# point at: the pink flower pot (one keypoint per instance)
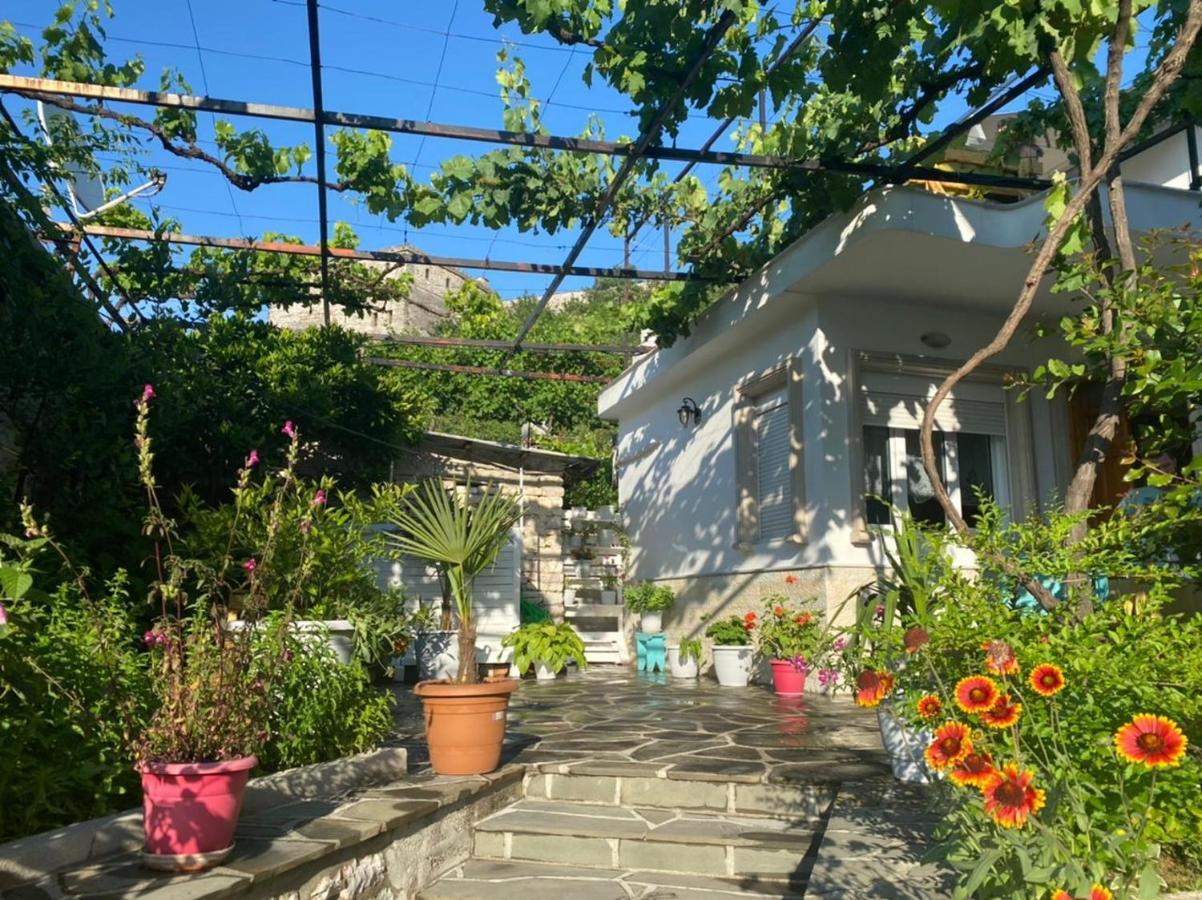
(190, 810)
(786, 680)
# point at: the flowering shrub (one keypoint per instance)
(790, 631)
(732, 630)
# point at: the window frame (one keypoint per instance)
(1019, 452)
(787, 375)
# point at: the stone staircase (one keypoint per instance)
(616, 830)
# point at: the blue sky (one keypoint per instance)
(379, 58)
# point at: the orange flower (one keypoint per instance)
(1097, 892)
(974, 770)
(1003, 713)
(1061, 894)
(790, 579)
(976, 693)
(1009, 797)
(930, 706)
(1151, 740)
(951, 745)
(1000, 658)
(1047, 679)
(873, 687)
(778, 611)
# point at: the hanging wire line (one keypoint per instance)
(442, 58)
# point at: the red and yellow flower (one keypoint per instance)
(1047, 680)
(929, 706)
(873, 687)
(1009, 797)
(974, 770)
(915, 639)
(951, 745)
(1151, 740)
(976, 693)
(1003, 713)
(1097, 892)
(1061, 894)
(1000, 658)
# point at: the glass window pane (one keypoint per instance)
(976, 473)
(877, 487)
(919, 490)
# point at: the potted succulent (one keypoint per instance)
(791, 638)
(465, 719)
(196, 743)
(650, 601)
(548, 646)
(732, 648)
(684, 658)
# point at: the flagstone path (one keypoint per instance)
(648, 787)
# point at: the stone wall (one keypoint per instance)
(420, 313)
(542, 515)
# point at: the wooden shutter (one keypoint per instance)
(774, 483)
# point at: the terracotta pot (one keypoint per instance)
(786, 680)
(190, 810)
(465, 724)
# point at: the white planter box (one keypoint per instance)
(681, 668)
(339, 634)
(905, 747)
(732, 665)
(651, 622)
(543, 672)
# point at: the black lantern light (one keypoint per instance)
(688, 412)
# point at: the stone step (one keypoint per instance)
(514, 880)
(646, 838)
(689, 782)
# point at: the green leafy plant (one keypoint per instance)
(545, 642)
(690, 648)
(789, 630)
(463, 539)
(532, 611)
(732, 630)
(647, 596)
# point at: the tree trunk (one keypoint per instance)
(469, 669)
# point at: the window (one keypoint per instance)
(970, 447)
(769, 459)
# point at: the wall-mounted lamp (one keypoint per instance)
(688, 412)
(936, 340)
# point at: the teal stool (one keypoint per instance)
(650, 651)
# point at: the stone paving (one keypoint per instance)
(638, 786)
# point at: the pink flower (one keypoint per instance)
(840, 643)
(3, 616)
(250, 565)
(147, 393)
(155, 638)
(289, 429)
(319, 499)
(253, 459)
(306, 526)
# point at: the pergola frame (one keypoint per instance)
(645, 146)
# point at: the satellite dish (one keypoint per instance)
(86, 191)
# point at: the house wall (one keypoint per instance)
(1165, 163)
(677, 485)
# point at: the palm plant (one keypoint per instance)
(463, 539)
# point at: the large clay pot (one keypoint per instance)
(190, 810)
(732, 665)
(465, 724)
(651, 622)
(787, 681)
(678, 665)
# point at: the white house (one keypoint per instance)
(811, 378)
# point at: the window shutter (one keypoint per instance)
(896, 401)
(774, 493)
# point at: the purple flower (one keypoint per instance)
(800, 664)
(3, 616)
(250, 565)
(289, 429)
(253, 459)
(827, 677)
(155, 638)
(840, 643)
(319, 499)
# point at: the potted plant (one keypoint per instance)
(546, 645)
(650, 601)
(792, 638)
(465, 719)
(609, 588)
(194, 739)
(732, 648)
(684, 658)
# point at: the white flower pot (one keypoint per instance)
(732, 665)
(339, 634)
(651, 622)
(543, 672)
(681, 668)
(437, 655)
(905, 747)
